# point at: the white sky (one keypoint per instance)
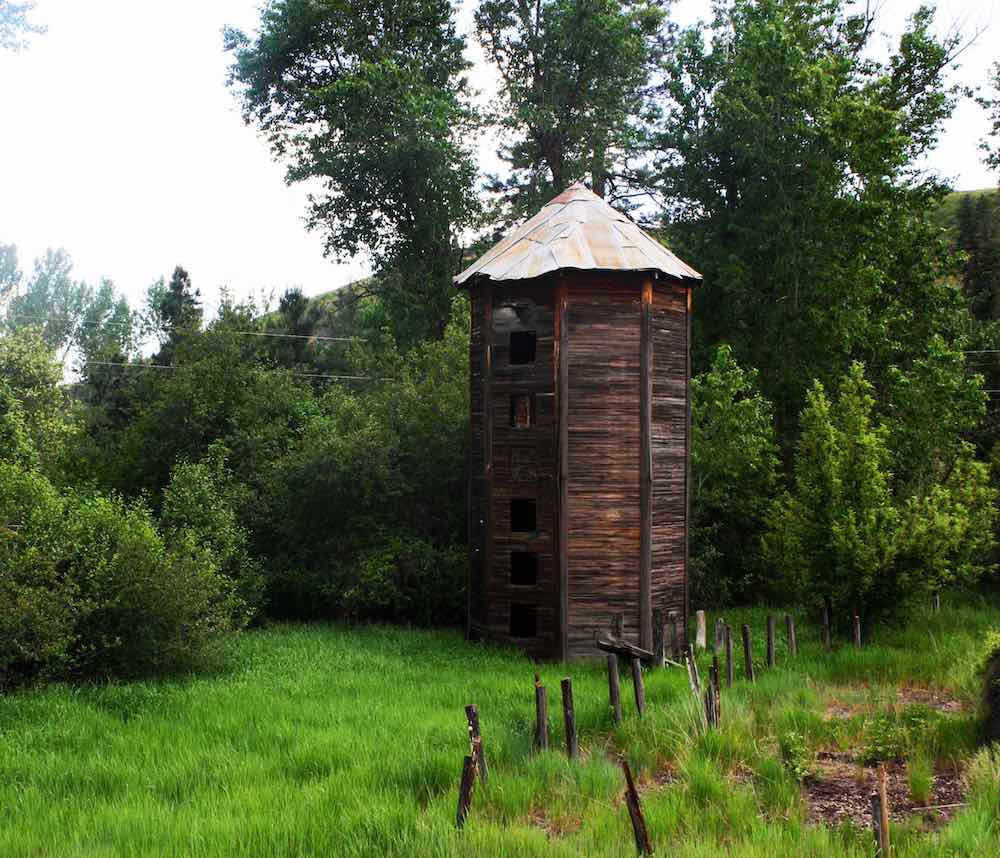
(120, 142)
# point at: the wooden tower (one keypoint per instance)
(580, 367)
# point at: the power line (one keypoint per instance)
(185, 366)
(242, 333)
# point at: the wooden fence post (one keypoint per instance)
(880, 816)
(642, 842)
(659, 640)
(793, 645)
(700, 631)
(640, 690)
(729, 655)
(747, 653)
(675, 647)
(476, 741)
(827, 637)
(770, 640)
(541, 715)
(720, 626)
(465, 789)
(569, 717)
(614, 689)
(718, 690)
(937, 603)
(857, 631)
(692, 666)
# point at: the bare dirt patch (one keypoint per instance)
(838, 792)
(557, 825)
(938, 699)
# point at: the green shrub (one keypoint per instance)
(200, 501)
(990, 669)
(795, 754)
(734, 468)
(88, 588)
(840, 536)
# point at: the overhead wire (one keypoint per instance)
(185, 366)
(241, 333)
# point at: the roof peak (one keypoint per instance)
(576, 230)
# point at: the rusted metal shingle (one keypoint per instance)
(577, 230)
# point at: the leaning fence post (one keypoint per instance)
(717, 683)
(635, 813)
(857, 631)
(692, 667)
(793, 645)
(728, 633)
(747, 653)
(770, 640)
(569, 717)
(640, 690)
(465, 789)
(476, 740)
(700, 631)
(614, 689)
(541, 715)
(827, 639)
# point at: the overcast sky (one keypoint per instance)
(120, 142)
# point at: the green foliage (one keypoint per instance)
(734, 477)
(574, 100)
(88, 588)
(789, 159)
(795, 754)
(989, 670)
(200, 503)
(368, 503)
(35, 405)
(841, 536)
(376, 112)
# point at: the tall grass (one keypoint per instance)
(339, 741)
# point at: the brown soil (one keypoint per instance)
(839, 793)
(940, 700)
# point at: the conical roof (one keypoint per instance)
(577, 230)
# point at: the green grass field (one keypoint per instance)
(330, 741)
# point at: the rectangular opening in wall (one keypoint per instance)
(523, 568)
(522, 410)
(522, 347)
(522, 515)
(523, 621)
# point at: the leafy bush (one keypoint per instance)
(990, 669)
(839, 535)
(88, 588)
(795, 754)
(734, 470)
(200, 501)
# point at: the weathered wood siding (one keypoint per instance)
(523, 462)
(670, 447)
(604, 440)
(602, 366)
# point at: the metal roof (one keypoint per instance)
(577, 230)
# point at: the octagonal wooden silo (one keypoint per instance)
(579, 463)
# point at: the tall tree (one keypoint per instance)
(368, 98)
(991, 146)
(791, 158)
(574, 98)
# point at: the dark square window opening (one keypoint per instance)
(523, 517)
(523, 568)
(523, 621)
(522, 410)
(522, 347)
